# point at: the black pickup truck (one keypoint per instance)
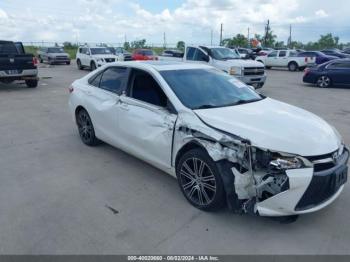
(15, 64)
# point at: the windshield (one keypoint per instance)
(208, 88)
(100, 51)
(147, 52)
(55, 50)
(224, 54)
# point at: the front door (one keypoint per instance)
(145, 125)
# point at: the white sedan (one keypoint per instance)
(225, 143)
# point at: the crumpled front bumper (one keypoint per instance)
(308, 191)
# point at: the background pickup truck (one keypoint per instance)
(53, 55)
(286, 58)
(248, 71)
(15, 64)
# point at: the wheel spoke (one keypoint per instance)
(207, 198)
(190, 194)
(185, 174)
(189, 170)
(200, 197)
(210, 187)
(195, 166)
(208, 178)
(188, 185)
(201, 169)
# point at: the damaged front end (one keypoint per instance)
(257, 181)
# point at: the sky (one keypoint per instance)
(192, 21)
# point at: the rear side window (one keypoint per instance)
(340, 65)
(282, 54)
(113, 79)
(95, 81)
(190, 53)
(8, 48)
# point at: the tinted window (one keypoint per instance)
(282, 54)
(55, 50)
(147, 52)
(190, 53)
(340, 65)
(113, 79)
(95, 81)
(273, 54)
(207, 88)
(200, 56)
(8, 48)
(100, 51)
(145, 88)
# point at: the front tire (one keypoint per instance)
(293, 67)
(93, 66)
(86, 128)
(80, 67)
(32, 83)
(200, 181)
(324, 82)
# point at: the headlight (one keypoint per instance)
(277, 161)
(236, 70)
(286, 163)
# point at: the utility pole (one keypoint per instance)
(164, 41)
(221, 34)
(267, 29)
(290, 37)
(211, 37)
(248, 37)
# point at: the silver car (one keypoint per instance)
(53, 55)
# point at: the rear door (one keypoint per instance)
(282, 59)
(103, 97)
(145, 124)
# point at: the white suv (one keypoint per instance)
(94, 57)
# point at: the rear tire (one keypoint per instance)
(200, 180)
(68, 63)
(93, 66)
(32, 83)
(268, 67)
(80, 67)
(324, 81)
(40, 59)
(86, 128)
(293, 66)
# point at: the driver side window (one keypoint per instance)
(143, 87)
(200, 56)
(273, 54)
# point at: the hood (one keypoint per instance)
(237, 62)
(274, 125)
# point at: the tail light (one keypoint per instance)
(71, 89)
(306, 71)
(35, 61)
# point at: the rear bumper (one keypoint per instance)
(309, 191)
(29, 74)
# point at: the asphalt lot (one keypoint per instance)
(61, 197)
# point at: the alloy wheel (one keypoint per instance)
(198, 181)
(324, 81)
(85, 127)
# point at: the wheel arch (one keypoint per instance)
(186, 148)
(77, 110)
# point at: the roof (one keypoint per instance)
(163, 65)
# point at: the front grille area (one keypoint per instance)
(325, 183)
(110, 60)
(322, 162)
(254, 71)
(128, 58)
(61, 58)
